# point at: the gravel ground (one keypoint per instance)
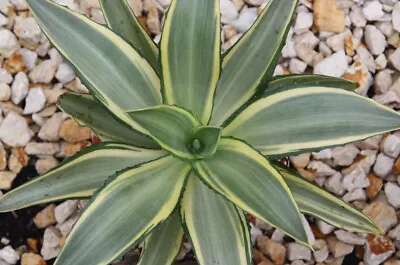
(354, 39)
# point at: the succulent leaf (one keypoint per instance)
(124, 211)
(88, 112)
(115, 73)
(164, 243)
(218, 230)
(121, 20)
(258, 50)
(78, 176)
(246, 178)
(319, 203)
(310, 118)
(287, 82)
(173, 129)
(208, 138)
(190, 55)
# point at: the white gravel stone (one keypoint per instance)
(64, 73)
(308, 39)
(27, 29)
(5, 92)
(296, 251)
(72, 4)
(246, 18)
(55, 56)
(371, 143)
(43, 48)
(344, 156)
(334, 184)
(297, 66)
(278, 236)
(19, 88)
(304, 21)
(383, 165)
(383, 81)
(229, 11)
(335, 65)
(357, 17)
(6, 179)
(19, 4)
(355, 195)
(29, 57)
(254, 234)
(366, 58)
(375, 40)
(14, 130)
(385, 27)
(356, 179)
(390, 98)
(66, 227)
(373, 10)
(3, 20)
(44, 72)
(64, 210)
(8, 43)
(5, 77)
(395, 58)
(321, 251)
(42, 149)
(51, 240)
(371, 258)
(4, 5)
(324, 228)
(395, 233)
(391, 146)
(9, 255)
(49, 130)
(381, 62)
(336, 42)
(392, 192)
(324, 49)
(349, 238)
(321, 169)
(323, 154)
(289, 50)
(338, 248)
(35, 101)
(396, 17)
(306, 54)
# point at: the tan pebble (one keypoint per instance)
(258, 257)
(396, 166)
(72, 132)
(72, 149)
(15, 63)
(45, 164)
(28, 45)
(374, 187)
(306, 174)
(45, 217)
(328, 16)
(32, 259)
(33, 244)
(3, 157)
(272, 249)
(62, 241)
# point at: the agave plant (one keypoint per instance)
(190, 137)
